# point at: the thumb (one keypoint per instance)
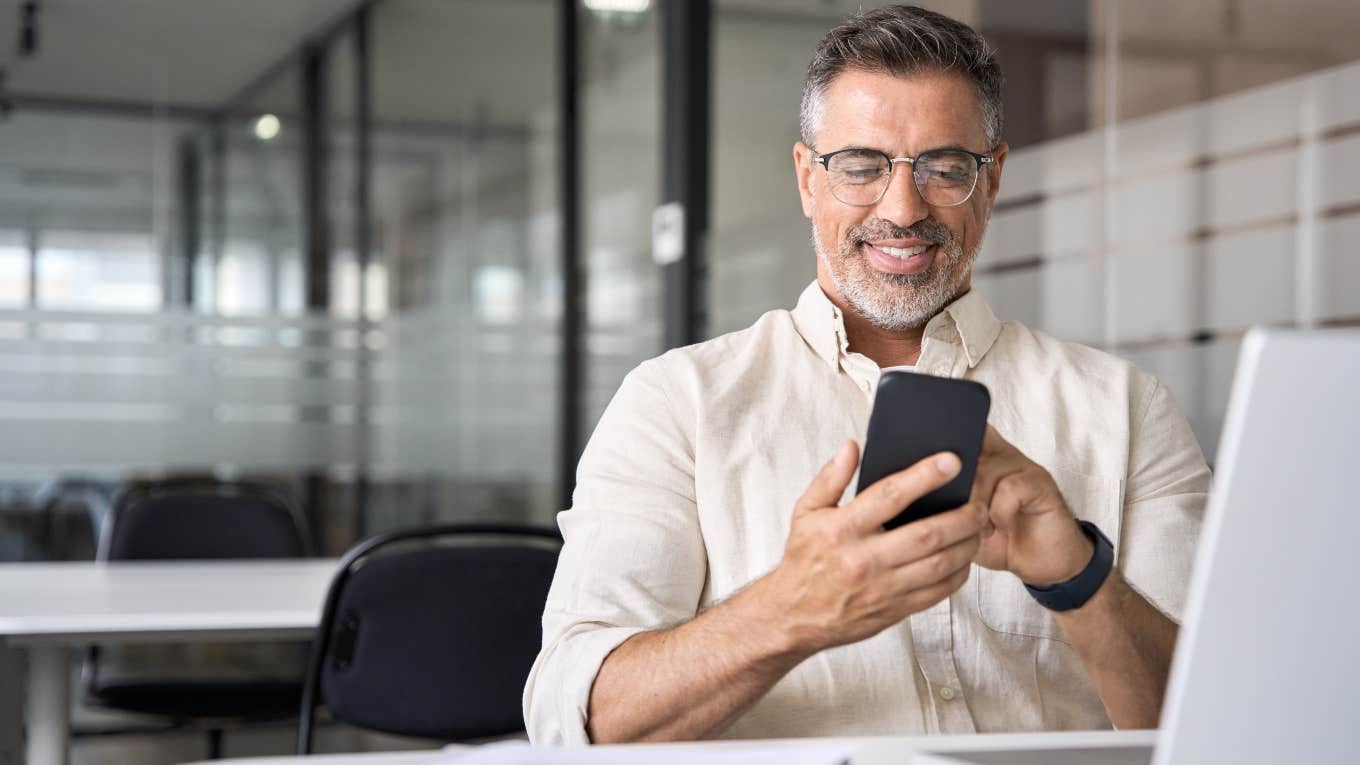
(826, 489)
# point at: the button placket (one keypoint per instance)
(932, 634)
(862, 371)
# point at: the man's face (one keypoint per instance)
(871, 258)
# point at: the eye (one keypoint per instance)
(862, 172)
(854, 166)
(948, 174)
(949, 168)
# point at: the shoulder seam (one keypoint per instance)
(663, 383)
(1147, 403)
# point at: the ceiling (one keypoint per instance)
(188, 53)
(494, 61)
(200, 53)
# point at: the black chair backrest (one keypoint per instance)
(196, 520)
(421, 637)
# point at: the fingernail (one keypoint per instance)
(947, 463)
(842, 454)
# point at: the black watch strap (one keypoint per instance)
(1065, 596)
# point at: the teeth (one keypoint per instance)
(904, 252)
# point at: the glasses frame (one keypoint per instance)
(980, 159)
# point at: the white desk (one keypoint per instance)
(433, 757)
(886, 750)
(49, 609)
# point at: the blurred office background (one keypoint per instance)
(320, 242)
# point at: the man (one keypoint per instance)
(707, 589)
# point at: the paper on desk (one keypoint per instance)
(774, 753)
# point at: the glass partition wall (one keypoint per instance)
(464, 225)
(621, 169)
(342, 281)
(428, 263)
(86, 226)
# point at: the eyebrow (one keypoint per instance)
(949, 147)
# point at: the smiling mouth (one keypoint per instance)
(902, 253)
(903, 261)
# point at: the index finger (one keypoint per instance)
(889, 496)
(995, 443)
(830, 482)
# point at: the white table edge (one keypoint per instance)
(157, 635)
(867, 750)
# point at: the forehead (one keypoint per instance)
(901, 114)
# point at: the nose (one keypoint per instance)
(902, 203)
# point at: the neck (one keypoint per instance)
(888, 348)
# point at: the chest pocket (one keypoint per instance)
(1004, 605)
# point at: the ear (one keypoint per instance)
(802, 167)
(993, 171)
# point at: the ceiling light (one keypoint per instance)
(617, 6)
(267, 127)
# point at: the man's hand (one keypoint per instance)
(843, 578)
(1124, 642)
(1027, 528)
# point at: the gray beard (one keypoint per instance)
(897, 302)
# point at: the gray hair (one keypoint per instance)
(902, 40)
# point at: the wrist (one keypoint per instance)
(774, 624)
(1077, 555)
(1073, 593)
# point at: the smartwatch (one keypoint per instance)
(1065, 596)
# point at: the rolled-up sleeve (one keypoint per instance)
(633, 558)
(1167, 487)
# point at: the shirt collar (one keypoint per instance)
(968, 321)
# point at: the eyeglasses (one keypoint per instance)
(860, 177)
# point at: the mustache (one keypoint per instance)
(928, 229)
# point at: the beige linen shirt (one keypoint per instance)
(685, 493)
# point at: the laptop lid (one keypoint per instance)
(1266, 669)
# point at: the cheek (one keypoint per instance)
(981, 214)
(833, 223)
(968, 225)
(828, 229)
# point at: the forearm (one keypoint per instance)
(692, 681)
(1125, 644)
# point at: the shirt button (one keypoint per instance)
(948, 693)
(864, 385)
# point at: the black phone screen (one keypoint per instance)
(915, 416)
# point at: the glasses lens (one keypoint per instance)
(858, 177)
(945, 178)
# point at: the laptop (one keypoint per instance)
(1266, 667)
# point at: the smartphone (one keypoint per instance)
(915, 416)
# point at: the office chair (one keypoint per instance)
(431, 632)
(198, 519)
(70, 504)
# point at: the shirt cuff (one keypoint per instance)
(564, 682)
